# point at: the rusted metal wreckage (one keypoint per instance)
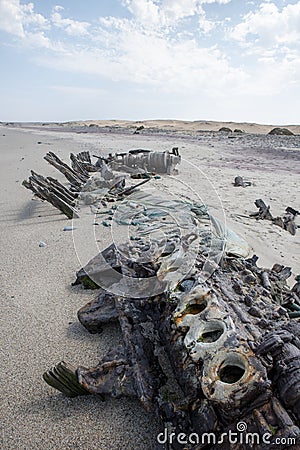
(147, 160)
(143, 163)
(210, 340)
(287, 221)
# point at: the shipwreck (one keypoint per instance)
(210, 339)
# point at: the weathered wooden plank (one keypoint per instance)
(78, 167)
(51, 197)
(74, 178)
(44, 183)
(55, 183)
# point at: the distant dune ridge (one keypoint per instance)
(167, 125)
(184, 125)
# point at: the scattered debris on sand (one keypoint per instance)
(239, 182)
(287, 221)
(140, 128)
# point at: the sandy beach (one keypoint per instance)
(39, 305)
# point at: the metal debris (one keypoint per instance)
(239, 182)
(90, 183)
(220, 334)
(147, 160)
(230, 364)
(287, 221)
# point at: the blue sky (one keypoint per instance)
(150, 59)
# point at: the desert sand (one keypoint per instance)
(39, 326)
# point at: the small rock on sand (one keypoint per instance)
(69, 228)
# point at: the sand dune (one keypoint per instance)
(190, 126)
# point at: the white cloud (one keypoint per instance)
(150, 48)
(71, 27)
(17, 19)
(11, 16)
(160, 47)
(271, 36)
(177, 67)
(166, 13)
(174, 10)
(145, 11)
(146, 49)
(58, 8)
(271, 78)
(30, 17)
(270, 26)
(22, 21)
(220, 2)
(38, 39)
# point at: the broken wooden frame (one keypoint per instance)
(54, 192)
(51, 190)
(81, 170)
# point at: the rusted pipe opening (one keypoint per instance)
(211, 332)
(194, 304)
(195, 308)
(231, 374)
(232, 369)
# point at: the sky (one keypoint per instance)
(229, 60)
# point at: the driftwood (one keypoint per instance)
(287, 221)
(264, 210)
(64, 378)
(98, 312)
(130, 189)
(83, 185)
